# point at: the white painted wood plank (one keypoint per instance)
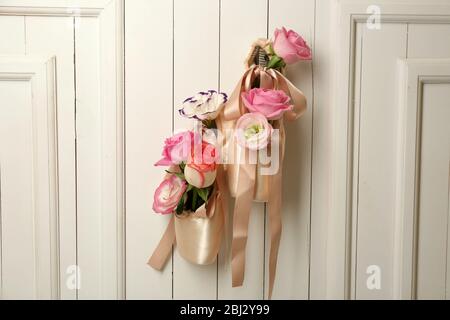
(111, 62)
(12, 29)
(433, 198)
(292, 281)
(89, 149)
(374, 186)
(99, 64)
(235, 42)
(336, 266)
(54, 37)
(148, 123)
(359, 54)
(17, 207)
(196, 65)
(12, 35)
(323, 55)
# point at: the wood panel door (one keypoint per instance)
(391, 166)
(61, 107)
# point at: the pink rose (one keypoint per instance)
(176, 149)
(200, 171)
(253, 131)
(168, 194)
(290, 46)
(271, 103)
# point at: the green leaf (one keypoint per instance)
(189, 188)
(178, 174)
(182, 166)
(275, 62)
(203, 193)
(209, 123)
(281, 65)
(194, 199)
(180, 206)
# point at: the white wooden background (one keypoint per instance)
(366, 172)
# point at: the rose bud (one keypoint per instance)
(290, 46)
(201, 171)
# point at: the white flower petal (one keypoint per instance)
(204, 105)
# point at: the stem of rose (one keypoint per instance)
(194, 199)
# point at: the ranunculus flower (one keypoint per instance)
(176, 149)
(253, 131)
(200, 171)
(290, 46)
(168, 194)
(204, 105)
(271, 103)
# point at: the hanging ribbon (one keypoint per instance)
(244, 188)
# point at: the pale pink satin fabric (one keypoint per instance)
(243, 181)
(198, 234)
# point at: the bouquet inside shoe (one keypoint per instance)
(242, 158)
(190, 190)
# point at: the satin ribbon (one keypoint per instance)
(200, 232)
(245, 184)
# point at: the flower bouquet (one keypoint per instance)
(264, 98)
(244, 157)
(190, 189)
(253, 125)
